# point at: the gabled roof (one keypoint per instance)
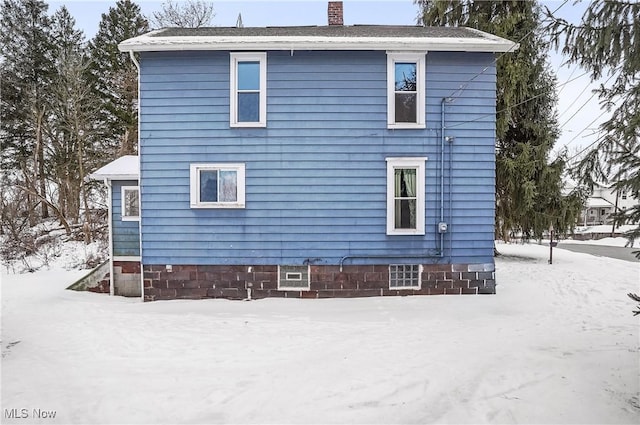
(332, 37)
(596, 202)
(124, 168)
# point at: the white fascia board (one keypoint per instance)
(145, 43)
(112, 177)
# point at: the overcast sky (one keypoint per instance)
(576, 110)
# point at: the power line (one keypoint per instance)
(574, 100)
(570, 75)
(586, 127)
(517, 104)
(586, 103)
(571, 158)
(578, 110)
(464, 86)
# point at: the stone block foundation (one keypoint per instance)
(233, 282)
(126, 278)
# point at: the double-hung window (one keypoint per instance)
(217, 185)
(406, 90)
(248, 90)
(406, 196)
(130, 198)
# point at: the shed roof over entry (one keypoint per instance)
(124, 168)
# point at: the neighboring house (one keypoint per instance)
(314, 161)
(603, 203)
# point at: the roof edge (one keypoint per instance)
(152, 42)
(126, 167)
(113, 177)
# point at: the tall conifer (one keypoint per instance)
(26, 71)
(607, 43)
(529, 196)
(115, 76)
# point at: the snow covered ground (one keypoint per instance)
(557, 344)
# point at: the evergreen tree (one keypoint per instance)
(529, 185)
(26, 73)
(70, 126)
(115, 76)
(607, 42)
(189, 14)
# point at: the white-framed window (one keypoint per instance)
(406, 196)
(130, 198)
(293, 278)
(217, 185)
(248, 90)
(405, 276)
(406, 90)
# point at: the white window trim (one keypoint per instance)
(124, 217)
(195, 185)
(420, 59)
(400, 288)
(419, 163)
(126, 258)
(233, 92)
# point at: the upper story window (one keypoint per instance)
(217, 185)
(130, 203)
(248, 90)
(405, 90)
(406, 196)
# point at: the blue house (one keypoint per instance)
(329, 161)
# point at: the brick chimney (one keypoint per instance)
(334, 13)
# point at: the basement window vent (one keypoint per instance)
(293, 278)
(405, 276)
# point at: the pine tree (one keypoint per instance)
(71, 120)
(115, 76)
(26, 73)
(189, 14)
(529, 185)
(607, 42)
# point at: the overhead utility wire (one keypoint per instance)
(464, 86)
(570, 75)
(585, 103)
(516, 104)
(586, 128)
(571, 158)
(586, 86)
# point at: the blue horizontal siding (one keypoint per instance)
(316, 175)
(126, 234)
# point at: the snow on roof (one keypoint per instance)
(124, 168)
(598, 203)
(335, 37)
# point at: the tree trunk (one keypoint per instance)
(40, 161)
(88, 236)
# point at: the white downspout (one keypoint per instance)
(137, 65)
(107, 182)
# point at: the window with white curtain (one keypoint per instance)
(406, 196)
(217, 185)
